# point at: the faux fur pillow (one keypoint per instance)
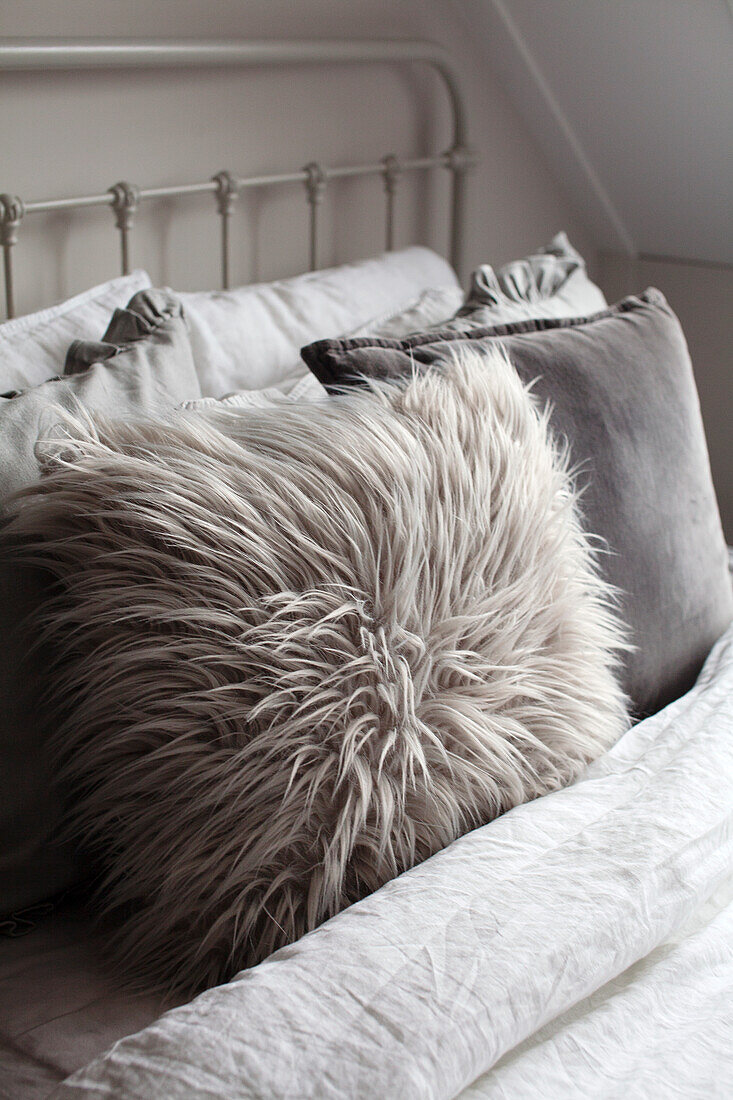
(302, 649)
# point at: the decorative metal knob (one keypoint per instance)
(391, 173)
(11, 215)
(227, 192)
(461, 158)
(315, 182)
(125, 201)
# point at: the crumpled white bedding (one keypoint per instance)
(663, 1028)
(580, 945)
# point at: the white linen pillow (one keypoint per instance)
(250, 338)
(304, 390)
(430, 309)
(33, 347)
(552, 282)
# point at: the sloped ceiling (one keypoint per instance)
(632, 104)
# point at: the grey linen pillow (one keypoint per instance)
(335, 637)
(32, 347)
(621, 391)
(147, 368)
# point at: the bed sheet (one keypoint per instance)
(670, 1011)
(596, 919)
(662, 1028)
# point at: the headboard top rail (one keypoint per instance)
(43, 54)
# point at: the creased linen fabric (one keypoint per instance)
(249, 337)
(434, 307)
(664, 1028)
(417, 991)
(32, 347)
(551, 282)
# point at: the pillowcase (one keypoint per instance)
(333, 640)
(152, 371)
(249, 338)
(621, 392)
(433, 307)
(304, 390)
(32, 348)
(553, 282)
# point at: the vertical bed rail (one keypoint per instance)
(11, 213)
(62, 54)
(315, 187)
(392, 173)
(227, 193)
(125, 201)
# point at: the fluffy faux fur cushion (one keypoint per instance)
(301, 649)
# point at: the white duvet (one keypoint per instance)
(580, 946)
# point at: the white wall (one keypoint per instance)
(632, 102)
(67, 133)
(702, 297)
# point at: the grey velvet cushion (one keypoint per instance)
(622, 392)
(147, 368)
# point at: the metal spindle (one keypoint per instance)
(227, 192)
(315, 185)
(459, 160)
(391, 172)
(11, 214)
(125, 200)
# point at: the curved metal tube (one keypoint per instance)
(34, 54)
(38, 54)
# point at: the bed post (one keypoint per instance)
(315, 186)
(227, 192)
(460, 157)
(125, 200)
(392, 173)
(459, 161)
(11, 214)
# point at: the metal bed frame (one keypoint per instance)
(124, 198)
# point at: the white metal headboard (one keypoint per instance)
(124, 198)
